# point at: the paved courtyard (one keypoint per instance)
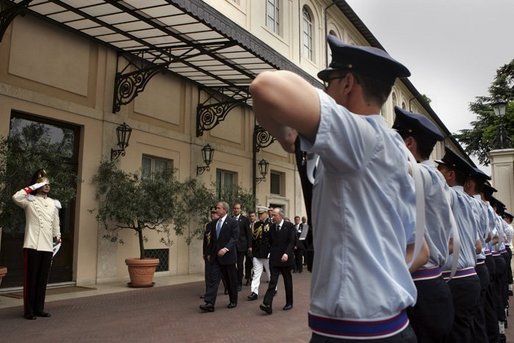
(166, 313)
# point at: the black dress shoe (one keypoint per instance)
(30, 317)
(231, 305)
(253, 296)
(239, 288)
(43, 314)
(202, 296)
(207, 307)
(266, 308)
(287, 307)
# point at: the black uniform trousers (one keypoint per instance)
(218, 271)
(509, 267)
(298, 260)
(248, 267)
(499, 281)
(466, 301)
(288, 285)
(432, 316)
(241, 255)
(491, 317)
(479, 326)
(37, 269)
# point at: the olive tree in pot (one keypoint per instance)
(159, 203)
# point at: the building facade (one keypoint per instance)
(177, 72)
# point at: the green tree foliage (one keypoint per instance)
(159, 202)
(480, 139)
(21, 154)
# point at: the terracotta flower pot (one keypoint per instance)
(141, 271)
(3, 272)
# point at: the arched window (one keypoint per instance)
(308, 34)
(404, 106)
(395, 100)
(272, 15)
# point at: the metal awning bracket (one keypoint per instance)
(262, 139)
(9, 11)
(215, 108)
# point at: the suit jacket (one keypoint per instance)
(260, 240)
(208, 238)
(229, 234)
(244, 240)
(282, 242)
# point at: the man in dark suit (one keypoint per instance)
(222, 257)
(282, 240)
(243, 243)
(299, 246)
(207, 245)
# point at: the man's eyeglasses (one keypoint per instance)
(326, 82)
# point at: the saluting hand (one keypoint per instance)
(284, 258)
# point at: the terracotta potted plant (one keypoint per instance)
(159, 202)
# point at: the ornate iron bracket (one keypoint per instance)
(263, 138)
(215, 109)
(128, 85)
(9, 11)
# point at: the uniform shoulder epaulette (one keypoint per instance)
(58, 204)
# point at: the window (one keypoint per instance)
(272, 15)
(151, 165)
(307, 37)
(226, 182)
(395, 100)
(277, 183)
(404, 106)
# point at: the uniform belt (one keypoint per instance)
(480, 262)
(496, 253)
(426, 274)
(358, 329)
(460, 273)
(503, 251)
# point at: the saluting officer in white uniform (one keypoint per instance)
(432, 316)
(363, 196)
(465, 284)
(41, 231)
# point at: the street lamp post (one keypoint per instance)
(502, 140)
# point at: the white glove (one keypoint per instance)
(35, 186)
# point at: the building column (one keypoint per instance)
(502, 173)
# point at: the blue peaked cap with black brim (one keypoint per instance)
(416, 123)
(454, 161)
(365, 60)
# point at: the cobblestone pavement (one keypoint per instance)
(163, 314)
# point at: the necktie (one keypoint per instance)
(278, 227)
(218, 228)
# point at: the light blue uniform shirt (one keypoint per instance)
(363, 217)
(438, 214)
(484, 227)
(466, 223)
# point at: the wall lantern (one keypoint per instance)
(502, 139)
(263, 170)
(123, 133)
(207, 155)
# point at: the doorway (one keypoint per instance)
(56, 146)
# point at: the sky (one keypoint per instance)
(452, 47)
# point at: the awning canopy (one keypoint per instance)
(188, 38)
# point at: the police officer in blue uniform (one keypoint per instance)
(465, 284)
(361, 285)
(432, 316)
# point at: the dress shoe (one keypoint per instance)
(226, 291)
(207, 307)
(231, 305)
(239, 288)
(202, 296)
(43, 314)
(287, 307)
(30, 317)
(266, 308)
(253, 296)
